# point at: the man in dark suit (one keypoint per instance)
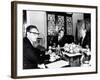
(63, 39)
(32, 56)
(85, 40)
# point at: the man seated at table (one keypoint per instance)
(33, 54)
(85, 42)
(63, 39)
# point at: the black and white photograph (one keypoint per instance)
(66, 42)
(54, 39)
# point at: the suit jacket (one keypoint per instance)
(31, 55)
(86, 40)
(66, 39)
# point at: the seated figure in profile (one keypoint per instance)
(85, 40)
(33, 54)
(62, 39)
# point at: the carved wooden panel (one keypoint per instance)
(69, 25)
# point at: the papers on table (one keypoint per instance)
(58, 64)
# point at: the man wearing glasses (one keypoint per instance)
(32, 56)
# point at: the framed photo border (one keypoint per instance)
(14, 37)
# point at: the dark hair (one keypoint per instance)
(30, 27)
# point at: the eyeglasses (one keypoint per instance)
(35, 33)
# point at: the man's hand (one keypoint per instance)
(42, 66)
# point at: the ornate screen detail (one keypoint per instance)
(69, 25)
(60, 22)
(51, 24)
